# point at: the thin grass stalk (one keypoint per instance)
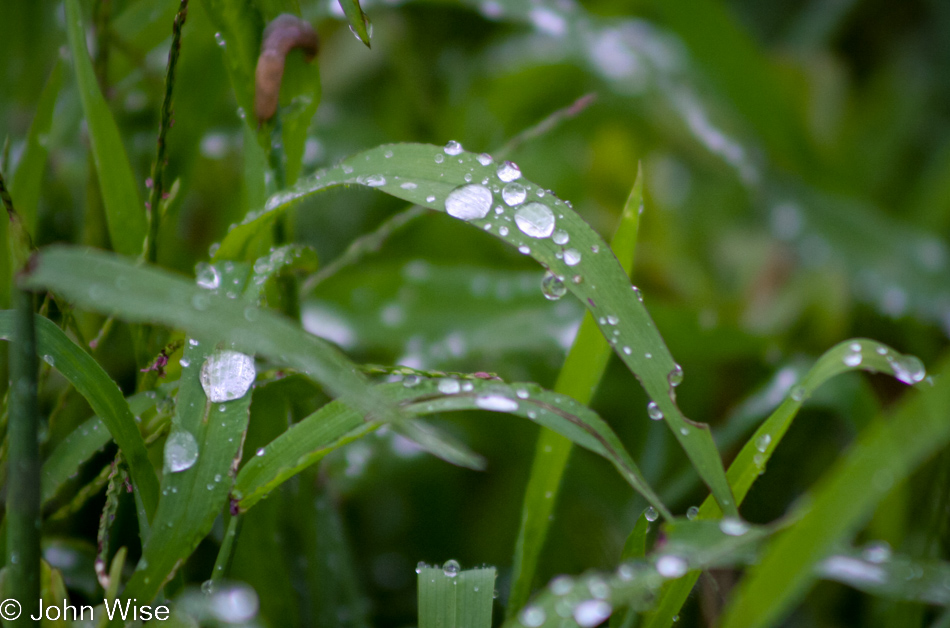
(222, 564)
(579, 377)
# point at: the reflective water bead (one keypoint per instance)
(181, 451)
(469, 202)
(552, 286)
(524, 250)
(562, 585)
(612, 320)
(508, 171)
(672, 566)
(654, 411)
(496, 403)
(513, 194)
(430, 198)
(692, 512)
(733, 526)
(439, 159)
(572, 257)
(227, 375)
(449, 386)
(451, 568)
(374, 180)
(852, 359)
(627, 350)
(503, 230)
(561, 237)
(408, 185)
(207, 276)
(484, 159)
(762, 442)
(420, 566)
(591, 613)
(797, 393)
(651, 514)
(452, 148)
(535, 220)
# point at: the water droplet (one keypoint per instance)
(408, 185)
(236, 604)
(908, 369)
(627, 350)
(672, 566)
(218, 37)
(852, 359)
(451, 568)
(374, 180)
(562, 585)
(535, 220)
(524, 250)
(675, 377)
(651, 514)
(420, 566)
(430, 198)
(552, 286)
(449, 386)
(484, 159)
(207, 587)
(531, 616)
(452, 148)
(877, 552)
(260, 452)
(227, 375)
(692, 512)
(503, 230)
(733, 526)
(762, 442)
(572, 257)
(181, 451)
(561, 237)
(613, 320)
(469, 202)
(513, 194)
(439, 158)
(508, 171)
(496, 403)
(654, 411)
(591, 613)
(797, 393)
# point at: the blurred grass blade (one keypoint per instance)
(422, 174)
(449, 598)
(579, 378)
(23, 464)
(884, 455)
(334, 425)
(299, 96)
(288, 258)
(125, 211)
(112, 285)
(26, 185)
(358, 20)
(849, 355)
(105, 398)
(439, 444)
(239, 27)
(84, 442)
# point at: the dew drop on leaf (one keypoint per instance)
(452, 148)
(675, 377)
(552, 287)
(651, 514)
(496, 403)
(535, 220)
(451, 568)
(227, 375)
(468, 202)
(449, 386)
(591, 613)
(508, 171)
(484, 159)
(572, 257)
(561, 237)
(207, 276)
(513, 194)
(181, 451)
(654, 411)
(671, 566)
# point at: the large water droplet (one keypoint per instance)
(535, 220)
(591, 613)
(908, 369)
(496, 403)
(651, 514)
(227, 375)
(451, 568)
(452, 148)
(513, 194)
(552, 286)
(508, 171)
(181, 451)
(469, 202)
(374, 180)
(207, 276)
(654, 411)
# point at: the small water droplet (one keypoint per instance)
(908, 369)
(508, 171)
(654, 411)
(572, 257)
(852, 359)
(484, 159)
(675, 377)
(877, 552)
(524, 250)
(227, 375)
(692, 512)
(260, 452)
(612, 319)
(439, 158)
(452, 148)
(496, 403)
(535, 220)
(449, 386)
(469, 202)
(420, 566)
(430, 198)
(797, 393)
(627, 350)
(733, 526)
(181, 451)
(591, 613)
(408, 185)
(451, 568)
(207, 587)
(374, 180)
(503, 230)
(513, 194)
(762, 442)
(651, 514)
(561, 237)
(552, 286)
(672, 566)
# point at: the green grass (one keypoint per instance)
(346, 341)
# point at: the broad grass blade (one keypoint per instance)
(449, 598)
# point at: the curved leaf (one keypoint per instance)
(427, 175)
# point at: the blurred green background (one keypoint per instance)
(797, 163)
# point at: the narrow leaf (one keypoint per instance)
(125, 211)
(358, 20)
(449, 598)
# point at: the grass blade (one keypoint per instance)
(23, 478)
(112, 285)
(239, 25)
(105, 398)
(335, 425)
(358, 20)
(427, 175)
(758, 449)
(884, 454)
(125, 212)
(449, 598)
(579, 378)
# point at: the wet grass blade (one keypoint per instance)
(579, 378)
(113, 285)
(754, 456)
(356, 17)
(240, 26)
(125, 211)
(335, 425)
(103, 395)
(884, 455)
(427, 175)
(449, 598)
